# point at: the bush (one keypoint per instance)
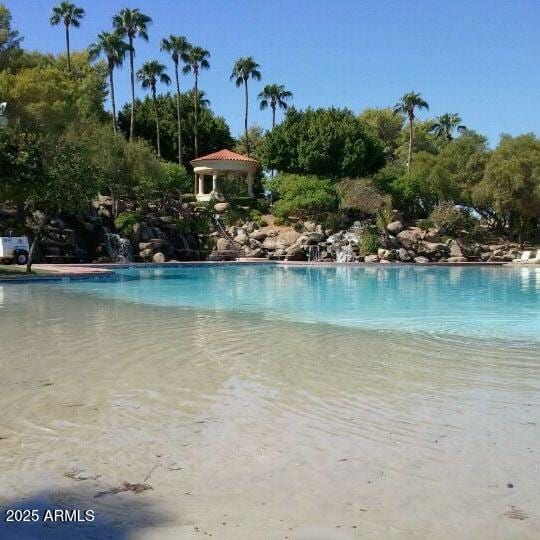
(303, 197)
(174, 178)
(361, 196)
(188, 197)
(125, 221)
(426, 224)
(369, 241)
(384, 217)
(450, 219)
(278, 221)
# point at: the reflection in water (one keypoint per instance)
(266, 424)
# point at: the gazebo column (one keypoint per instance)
(214, 183)
(201, 184)
(249, 180)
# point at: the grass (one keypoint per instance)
(15, 271)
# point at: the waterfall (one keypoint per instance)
(313, 253)
(119, 248)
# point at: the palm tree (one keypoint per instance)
(110, 44)
(70, 15)
(148, 75)
(132, 23)
(446, 124)
(274, 95)
(176, 46)
(407, 104)
(196, 59)
(243, 69)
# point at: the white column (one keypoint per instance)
(214, 183)
(201, 184)
(250, 185)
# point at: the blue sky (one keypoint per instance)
(479, 58)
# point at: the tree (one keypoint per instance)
(132, 23)
(331, 143)
(195, 59)
(445, 125)
(110, 44)
(407, 105)
(176, 46)
(46, 98)
(213, 131)
(386, 125)
(361, 195)
(244, 69)
(70, 15)
(148, 75)
(273, 96)
(511, 185)
(10, 41)
(256, 141)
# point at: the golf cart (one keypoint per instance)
(14, 249)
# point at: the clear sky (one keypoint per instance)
(479, 58)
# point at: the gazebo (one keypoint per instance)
(223, 163)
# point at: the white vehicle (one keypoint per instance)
(14, 249)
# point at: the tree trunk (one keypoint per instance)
(178, 117)
(67, 47)
(410, 141)
(35, 243)
(157, 121)
(111, 84)
(195, 127)
(246, 115)
(273, 115)
(132, 121)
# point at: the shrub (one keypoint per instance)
(125, 221)
(384, 217)
(369, 241)
(188, 197)
(303, 197)
(426, 224)
(174, 178)
(278, 221)
(361, 196)
(450, 219)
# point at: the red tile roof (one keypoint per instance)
(224, 155)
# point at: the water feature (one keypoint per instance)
(118, 248)
(260, 402)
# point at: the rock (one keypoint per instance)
(269, 244)
(158, 257)
(309, 226)
(385, 261)
(421, 260)
(455, 249)
(432, 249)
(145, 245)
(222, 244)
(408, 238)
(287, 238)
(295, 253)
(403, 255)
(432, 235)
(249, 227)
(315, 238)
(256, 253)
(241, 238)
(254, 244)
(371, 258)
(146, 254)
(258, 235)
(395, 227)
(221, 207)
(104, 212)
(456, 259)
(302, 240)
(486, 255)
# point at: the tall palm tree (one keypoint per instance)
(274, 95)
(70, 15)
(110, 45)
(243, 69)
(132, 23)
(176, 46)
(446, 124)
(406, 105)
(148, 75)
(196, 59)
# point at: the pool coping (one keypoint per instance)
(96, 271)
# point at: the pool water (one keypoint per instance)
(266, 402)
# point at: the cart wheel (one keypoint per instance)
(21, 257)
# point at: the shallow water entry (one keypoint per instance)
(248, 424)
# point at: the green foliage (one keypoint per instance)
(450, 220)
(384, 216)
(361, 195)
(125, 221)
(9, 39)
(386, 125)
(188, 197)
(426, 224)
(303, 196)
(331, 143)
(213, 131)
(256, 140)
(369, 241)
(173, 179)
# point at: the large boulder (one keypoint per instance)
(421, 260)
(241, 238)
(295, 253)
(395, 227)
(287, 238)
(270, 244)
(309, 226)
(455, 249)
(404, 255)
(315, 238)
(221, 207)
(456, 259)
(432, 235)
(158, 257)
(410, 237)
(223, 244)
(433, 250)
(258, 235)
(371, 258)
(146, 254)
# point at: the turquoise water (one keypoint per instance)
(485, 302)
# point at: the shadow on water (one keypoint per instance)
(116, 516)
